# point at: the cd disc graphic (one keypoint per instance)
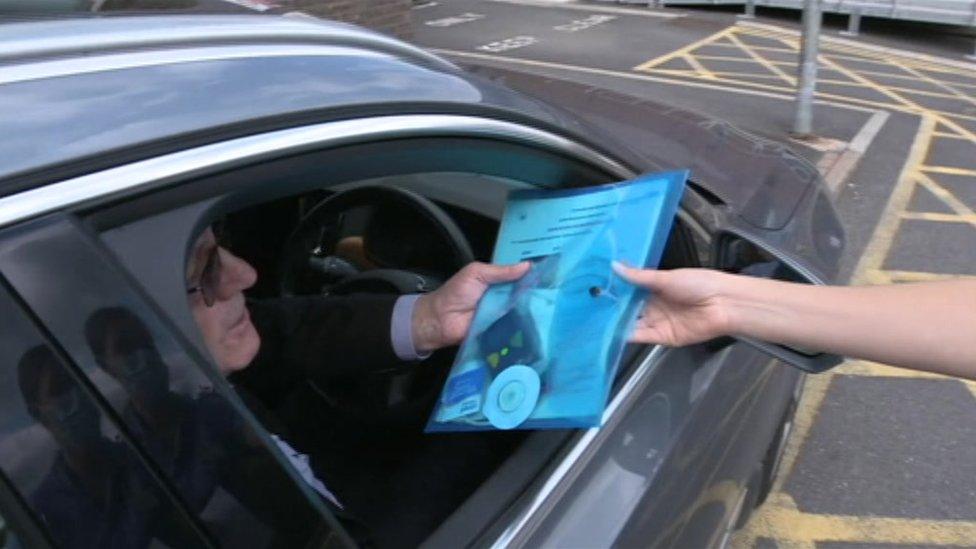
(512, 397)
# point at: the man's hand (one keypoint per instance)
(686, 305)
(443, 317)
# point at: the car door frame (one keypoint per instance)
(91, 191)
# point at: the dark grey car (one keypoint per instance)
(124, 137)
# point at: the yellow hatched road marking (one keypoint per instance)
(868, 83)
(887, 276)
(732, 75)
(906, 77)
(884, 233)
(831, 97)
(948, 170)
(938, 83)
(651, 76)
(902, 103)
(942, 69)
(921, 276)
(945, 196)
(780, 519)
(729, 58)
(676, 72)
(681, 51)
(814, 392)
(867, 368)
(920, 92)
(940, 217)
(699, 68)
(757, 48)
(772, 66)
(948, 135)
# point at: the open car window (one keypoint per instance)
(361, 430)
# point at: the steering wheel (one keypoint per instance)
(307, 257)
(309, 266)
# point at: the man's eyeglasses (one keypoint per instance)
(209, 278)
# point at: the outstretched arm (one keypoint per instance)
(926, 326)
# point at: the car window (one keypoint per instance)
(82, 481)
(8, 539)
(195, 437)
(361, 433)
(474, 202)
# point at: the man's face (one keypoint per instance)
(226, 325)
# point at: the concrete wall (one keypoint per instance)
(389, 16)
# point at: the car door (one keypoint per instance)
(70, 472)
(681, 436)
(204, 474)
(666, 429)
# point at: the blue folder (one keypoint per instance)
(542, 352)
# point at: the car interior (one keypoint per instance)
(390, 233)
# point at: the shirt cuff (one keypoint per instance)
(401, 328)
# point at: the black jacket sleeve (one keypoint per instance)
(317, 337)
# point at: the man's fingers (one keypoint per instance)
(494, 274)
(647, 278)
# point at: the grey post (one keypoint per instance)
(807, 71)
(853, 24)
(750, 12)
(972, 24)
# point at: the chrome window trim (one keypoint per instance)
(48, 68)
(572, 464)
(170, 168)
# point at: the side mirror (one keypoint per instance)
(741, 254)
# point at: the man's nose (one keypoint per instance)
(236, 275)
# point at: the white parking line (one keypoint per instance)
(585, 23)
(841, 168)
(454, 20)
(868, 132)
(509, 44)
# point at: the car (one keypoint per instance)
(336, 160)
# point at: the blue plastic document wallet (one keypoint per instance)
(542, 351)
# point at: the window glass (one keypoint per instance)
(196, 435)
(62, 454)
(361, 428)
(8, 539)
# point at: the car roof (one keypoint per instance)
(82, 94)
(51, 38)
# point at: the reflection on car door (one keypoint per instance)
(181, 416)
(65, 456)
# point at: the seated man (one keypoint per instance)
(270, 348)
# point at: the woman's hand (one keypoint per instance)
(685, 306)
